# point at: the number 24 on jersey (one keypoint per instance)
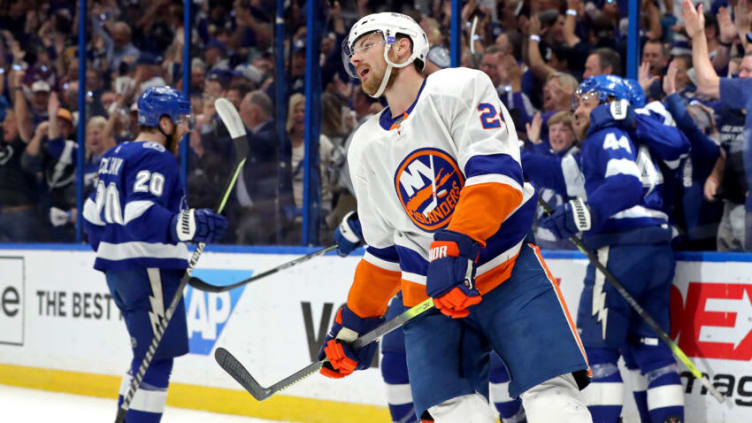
(489, 117)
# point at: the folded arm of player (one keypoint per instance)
(489, 155)
(455, 250)
(620, 190)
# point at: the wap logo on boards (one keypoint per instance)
(428, 184)
(208, 313)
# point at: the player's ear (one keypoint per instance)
(165, 124)
(404, 45)
(401, 48)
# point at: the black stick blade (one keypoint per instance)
(202, 285)
(234, 368)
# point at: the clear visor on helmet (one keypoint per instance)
(361, 45)
(579, 97)
(187, 120)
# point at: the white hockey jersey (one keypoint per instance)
(410, 173)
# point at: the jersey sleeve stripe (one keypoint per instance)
(622, 167)
(500, 259)
(496, 178)
(495, 272)
(502, 164)
(386, 254)
(135, 249)
(574, 179)
(384, 264)
(372, 289)
(635, 212)
(90, 213)
(134, 209)
(414, 278)
(411, 261)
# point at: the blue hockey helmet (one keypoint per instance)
(605, 86)
(156, 102)
(636, 93)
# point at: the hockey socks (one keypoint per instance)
(148, 403)
(605, 394)
(665, 396)
(510, 409)
(400, 398)
(639, 392)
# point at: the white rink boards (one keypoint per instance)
(59, 330)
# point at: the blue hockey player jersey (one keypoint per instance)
(623, 184)
(128, 216)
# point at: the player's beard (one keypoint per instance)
(373, 82)
(173, 141)
(580, 127)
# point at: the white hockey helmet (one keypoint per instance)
(388, 24)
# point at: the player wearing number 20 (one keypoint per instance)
(622, 219)
(446, 213)
(137, 224)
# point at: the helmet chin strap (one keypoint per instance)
(384, 81)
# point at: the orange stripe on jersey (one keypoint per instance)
(413, 293)
(372, 289)
(482, 208)
(496, 276)
(397, 124)
(565, 309)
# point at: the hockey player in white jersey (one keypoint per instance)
(137, 223)
(446, 214)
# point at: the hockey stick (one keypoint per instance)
(232, 366)
(199, 283)
(638, 308)
(235, 126)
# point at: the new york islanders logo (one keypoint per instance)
(428, 184)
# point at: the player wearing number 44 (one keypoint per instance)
(623, 221)
(137, 223)
(439, 171)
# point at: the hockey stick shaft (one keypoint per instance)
(199, 283)
(235, 369)
(638, 309)
(241, 147)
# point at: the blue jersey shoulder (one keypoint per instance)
(136, 151)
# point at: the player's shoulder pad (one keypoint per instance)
(145, 152)
(456, 81)
(657, 111)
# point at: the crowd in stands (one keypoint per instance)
(536, 52)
